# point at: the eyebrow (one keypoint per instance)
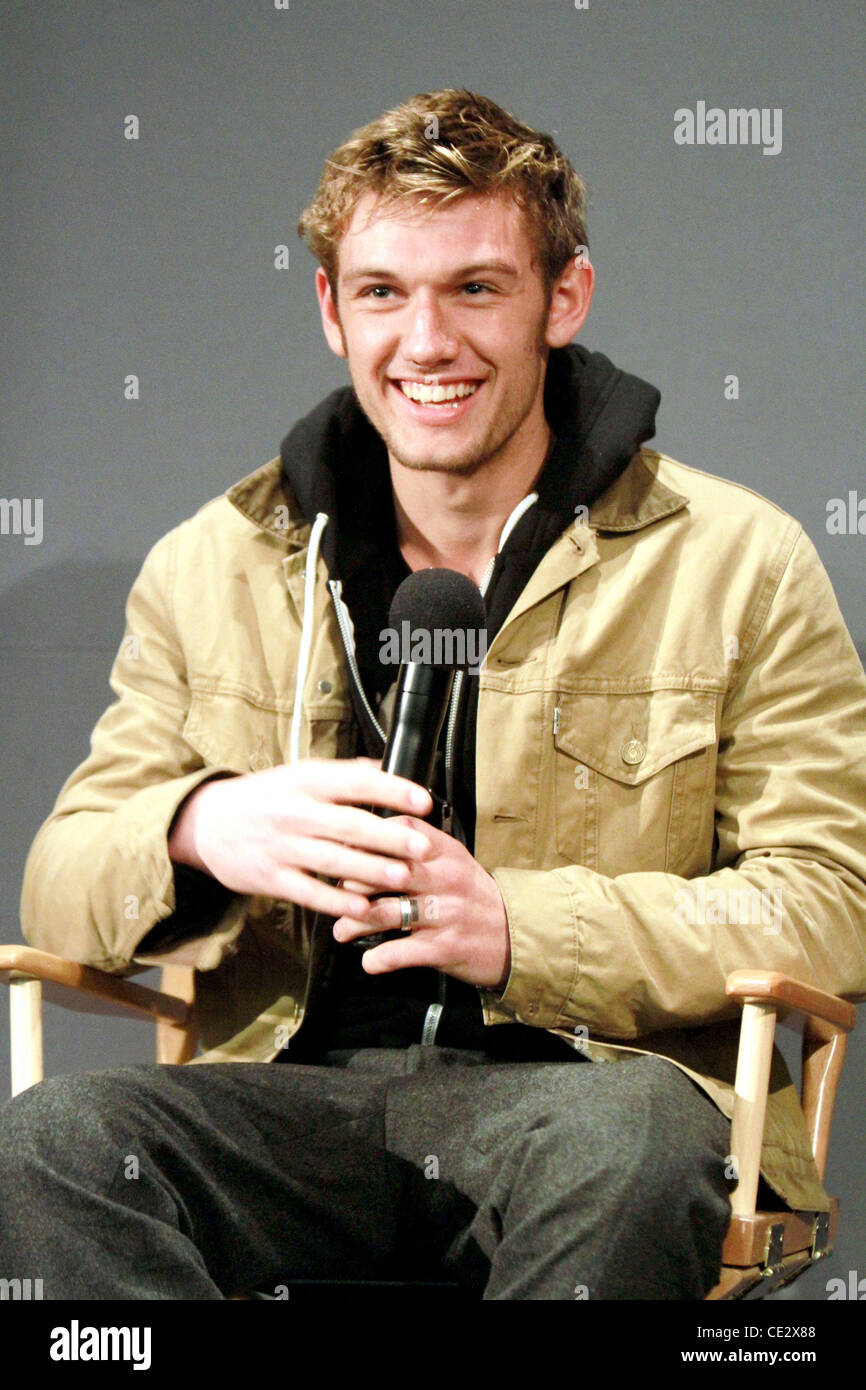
(462, 273)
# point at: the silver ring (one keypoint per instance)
(409, 913)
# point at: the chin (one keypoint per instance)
(456, 459)
(460, 466)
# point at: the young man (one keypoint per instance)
(656, 779)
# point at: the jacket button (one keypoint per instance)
(324, 687)
(258, 762)
(633, 752)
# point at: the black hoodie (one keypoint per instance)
(335, 462)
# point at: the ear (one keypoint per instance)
(570, 299)
(331, 325)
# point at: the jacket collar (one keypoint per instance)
(635, 499)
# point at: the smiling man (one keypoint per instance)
(446, 325)
(670, 698)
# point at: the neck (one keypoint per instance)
(455, 522)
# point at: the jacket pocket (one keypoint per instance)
(233, 731)
(635, 775)
(227, 730)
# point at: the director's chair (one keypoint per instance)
(762, 1250)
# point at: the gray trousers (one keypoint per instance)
(531, 1180)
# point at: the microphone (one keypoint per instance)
(436, 627)
(436, 616)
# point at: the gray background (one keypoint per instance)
(156, 257)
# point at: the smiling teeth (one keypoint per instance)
(434, 395)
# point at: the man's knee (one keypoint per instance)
(641, 1141)
(621, 1173)
(65, 1122)
(678, 1134)
(663, 1183)
(673, 1190)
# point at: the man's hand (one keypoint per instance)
(271, 832)
(462, 927)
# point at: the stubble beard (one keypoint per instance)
(481, 452)
(486, 450)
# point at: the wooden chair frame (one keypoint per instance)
(762, 1250)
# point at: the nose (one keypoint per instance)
(428, 340)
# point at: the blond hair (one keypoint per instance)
(442, 145)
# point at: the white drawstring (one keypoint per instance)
(319, 525)
(509, 526)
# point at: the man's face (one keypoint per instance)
(443, 303)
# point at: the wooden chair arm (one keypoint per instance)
(33, 975)
(64, 982)
(772, 985)
(828, 1020)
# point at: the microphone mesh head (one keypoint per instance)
(438, 601)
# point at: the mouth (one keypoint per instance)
(449, 394)
(437, 401)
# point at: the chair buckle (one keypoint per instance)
(773, 1252)
(820, 1235)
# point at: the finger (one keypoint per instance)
(354, 885)
(440, 841)
(386, 914)
(293, 886)
(341, 862)
(354, 779)
(417, 949)
(399, 837)
(419, 884)
(348, 928)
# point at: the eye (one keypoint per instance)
(474, 287)
(376, 292)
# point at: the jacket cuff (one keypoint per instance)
(147, 819)
(201, 901)
(544, 965)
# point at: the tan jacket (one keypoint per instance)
(670, 775)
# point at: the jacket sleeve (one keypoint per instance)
(98, 878)
(200, 901)
(644, 951)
